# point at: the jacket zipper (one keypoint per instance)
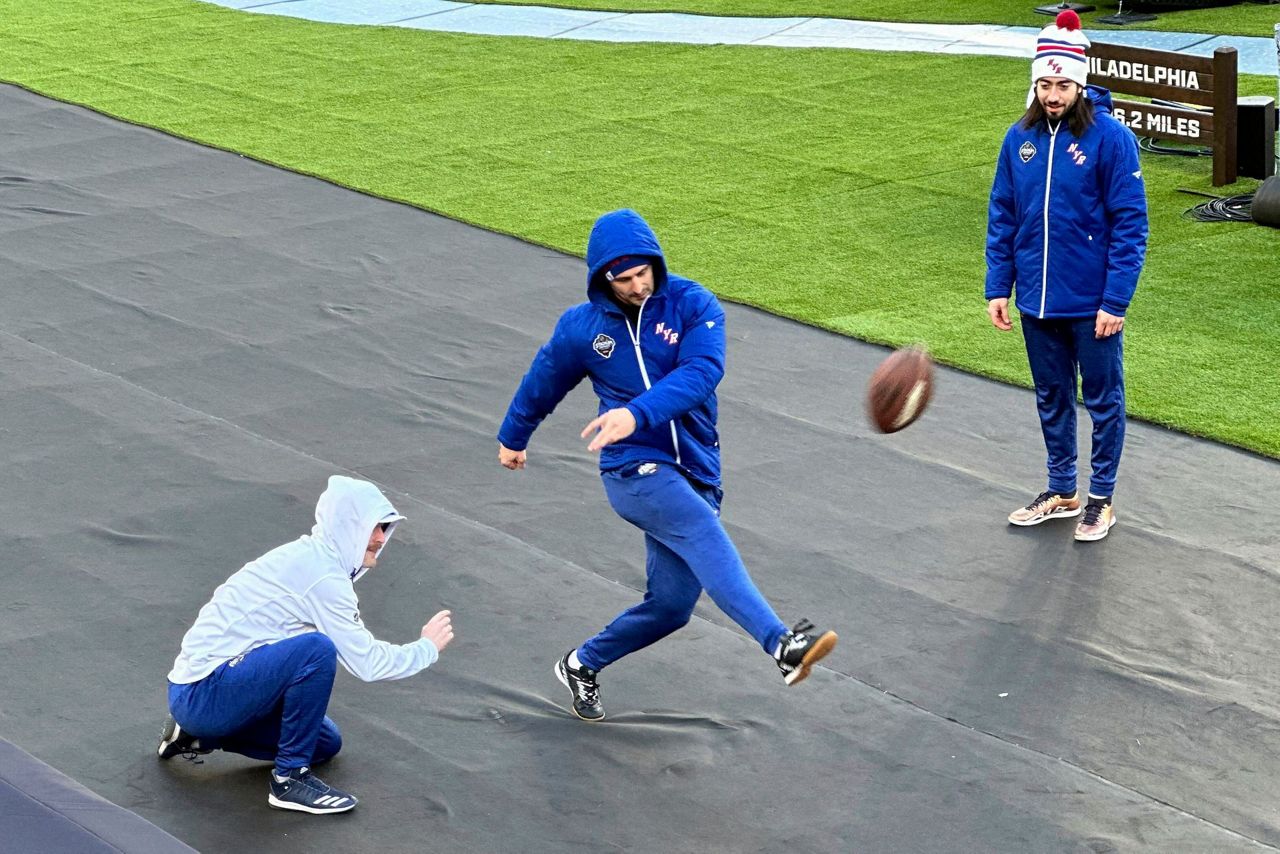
(644, 373)
(1044, 258)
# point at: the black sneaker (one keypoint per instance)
(305, 792)
(584, 687)
(175, 742)
(802, 647)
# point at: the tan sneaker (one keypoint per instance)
(1047, 505)
(1098, 521)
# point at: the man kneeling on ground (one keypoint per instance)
(255, 671)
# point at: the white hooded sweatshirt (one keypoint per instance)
(305, 586)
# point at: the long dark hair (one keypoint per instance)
(1079, 117)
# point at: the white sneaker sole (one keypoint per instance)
(167, 741)
(821, 647)
(1093, 538)
(1056, 514)
(290, 805)
(564, 680)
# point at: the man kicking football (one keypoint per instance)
(653, 345)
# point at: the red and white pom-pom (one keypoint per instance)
(1068, 20)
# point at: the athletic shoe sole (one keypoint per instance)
(564, 680)
(291, 805)
(1056, 514)
(1091, 538)
(167, 737)
(821, 647)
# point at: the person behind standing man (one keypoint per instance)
(653, 345)
(255, 671)
(1067, 230)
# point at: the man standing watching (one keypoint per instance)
(1067, 229)
(255, 671)
(653, 346)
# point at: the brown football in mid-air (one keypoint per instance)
(900, 389)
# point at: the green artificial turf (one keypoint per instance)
(845, 189)
(1248, 18)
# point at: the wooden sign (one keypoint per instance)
(1179, 78)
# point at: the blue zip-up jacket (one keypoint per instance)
(1067, 223)
(664, 367)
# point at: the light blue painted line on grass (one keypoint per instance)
(1255, 55)
(482, 19)
(384, 12)
(686, 29)
(1207, 48)
(242, 5)
(1181, 42)
(926, 38)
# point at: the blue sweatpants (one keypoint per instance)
(687, 551)
(268, 704)
(1057, 350)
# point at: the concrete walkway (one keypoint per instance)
(1257, 55)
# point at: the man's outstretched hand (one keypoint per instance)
(439, 630)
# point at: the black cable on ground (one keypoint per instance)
(1220, 208)
(1146, 143)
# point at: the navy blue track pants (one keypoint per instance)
(1058, 350)
(268, 704)
(687, 551)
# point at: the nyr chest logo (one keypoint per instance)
(1027, 151)
(603, 345)
(672, 336)
(1077, 154)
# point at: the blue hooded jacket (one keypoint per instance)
(1067, 223)
(664, 367)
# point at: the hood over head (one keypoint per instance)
(1100, 97)
(616, 234)
(346, 514)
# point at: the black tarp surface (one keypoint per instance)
(42, 810)
(192, 342)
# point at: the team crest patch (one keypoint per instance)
(1026, 152)
(603, 345)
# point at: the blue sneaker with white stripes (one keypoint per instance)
(305, 792)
